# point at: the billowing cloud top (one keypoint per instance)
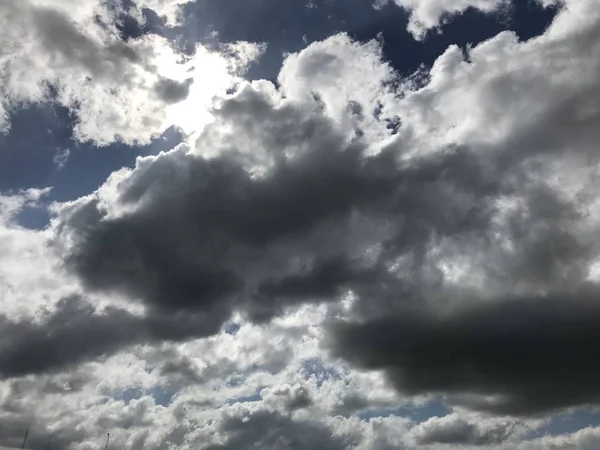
(327, 259)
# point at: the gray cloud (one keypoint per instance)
(205, 236)
(205, 232)
(172, 91)
(60, 36)
(12, 432)
(530, 355)
(198, 235)
(76, 333)
(181, 370)
(298, 399)
(292, 397)
(456, 430)
(272, 430)
(467, 266)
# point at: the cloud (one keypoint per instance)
(429, 14)
(543, 102)
(236, 226)
(205, 231)
(292, 397)
(278, 273)
(129, 91)
(455, 429)
(524, 355)
(170, 10)
(172, 91)
(13, 430)
(11, 204)
(439, 235)
(363, 103)
(267, 430)
(75, 332)
(30, 274)
(118, 393)
(499, 329)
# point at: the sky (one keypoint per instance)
(301, 224)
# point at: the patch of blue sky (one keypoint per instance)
(569, 422)
(231, 328)
(289, 26)
(256, 397)
(39, 152)
(162, 396)
(315, 367)
(129, 394)
(417, 413)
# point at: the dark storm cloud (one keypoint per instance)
(322, 281)
(272, 430)
(207, 234)
(192, 245)
(76, 333)
(533, 354)
(199, 235)
(203, 223)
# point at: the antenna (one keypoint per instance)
(49, 438)
(107, 437)
(26, 434)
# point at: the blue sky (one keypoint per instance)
(337, 224)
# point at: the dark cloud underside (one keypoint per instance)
(529, 354)
(75, 332)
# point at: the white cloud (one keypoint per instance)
(534, 96)
(428, 14)
(170, 10)
(323, 69)
(30, 277)
(112, 87)
(468, 429)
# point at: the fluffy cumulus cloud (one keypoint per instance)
(326, 258)
(426, 15)
(117, 90)
(463, 430)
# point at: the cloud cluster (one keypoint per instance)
(516, 356)
(117, 90)
(430, 14)
(317, 241)
(74, 331)
(463, 249)
(460, 429)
